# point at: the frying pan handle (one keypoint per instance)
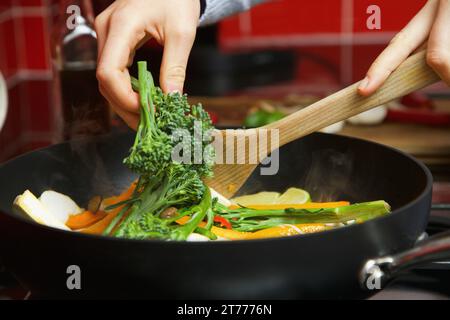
(377, 272)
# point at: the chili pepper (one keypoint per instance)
(223, 222)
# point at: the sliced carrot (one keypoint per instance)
(122, 197)
(84, 219)
(309, 205)
(100, 226)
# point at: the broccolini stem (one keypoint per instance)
(126, 207)
(199, 213)
(135, 84)
(269, 218)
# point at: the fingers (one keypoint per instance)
(130, 118)
(101, 28)
(401, 46)
(438, 54)
(123, 36)
(177, 47)
(125, 26)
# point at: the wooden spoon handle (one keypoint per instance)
(412, 74)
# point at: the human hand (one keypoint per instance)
(125, 26)
(429, 29)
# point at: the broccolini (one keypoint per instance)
(163, 182)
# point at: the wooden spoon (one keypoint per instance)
(237, 147)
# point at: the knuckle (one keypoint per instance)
(102, 74)
(120, 16)
(402, 41)
(177, 73)
(438, 59)
(184, 33)
(99, 21)
(380, 69)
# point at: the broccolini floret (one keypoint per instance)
(165, 183)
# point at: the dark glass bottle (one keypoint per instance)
(83, 111)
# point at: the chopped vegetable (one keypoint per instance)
(100, 226)
(290, 196)
(169, 200)
(223, 222)
(286, 230)
(197, 237)
(248, 219)
(31, 206)
(84, 219)
(163, 183)
(263, 197)
(310, 205)
(220, 198)
(59, 205)
(294, 195)
(95, 204)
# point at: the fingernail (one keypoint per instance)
(364, 83)
(173, 88)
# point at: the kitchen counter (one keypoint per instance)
(429, 144)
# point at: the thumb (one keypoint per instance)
(177, 47)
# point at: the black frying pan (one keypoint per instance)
(320, 265)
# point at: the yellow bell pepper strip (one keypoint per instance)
(279, 231)
(286, 230)
(230, 234)
(309, 205)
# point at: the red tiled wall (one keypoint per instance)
(25, 63)
(335, 30)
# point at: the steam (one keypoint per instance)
(329, 176)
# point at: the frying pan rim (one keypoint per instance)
(423, 194)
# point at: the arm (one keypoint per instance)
(216, 10)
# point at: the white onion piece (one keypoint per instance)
(196, 237)
(59, 205)
(30, 205)
(220, 198)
